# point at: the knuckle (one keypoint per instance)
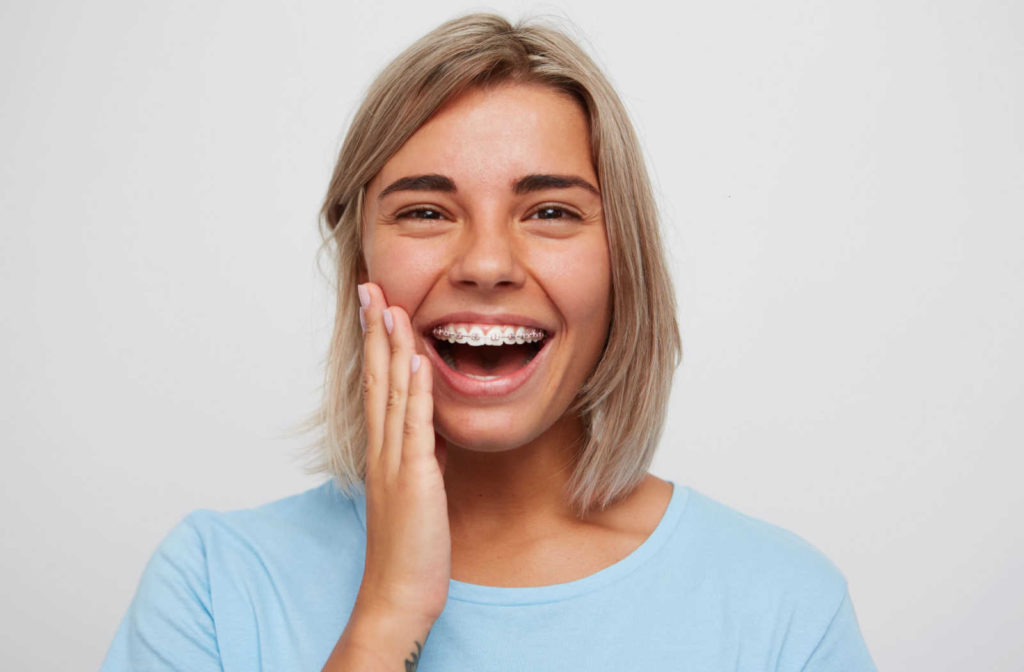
(396, 397)
(412, 428)
(369, 383)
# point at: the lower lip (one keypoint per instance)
(495, 387)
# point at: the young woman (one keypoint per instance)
(496, 388)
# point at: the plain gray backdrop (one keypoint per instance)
(842, 186)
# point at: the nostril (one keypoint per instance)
(487, 264)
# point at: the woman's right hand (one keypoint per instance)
(408, 542)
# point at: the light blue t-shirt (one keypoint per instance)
(711, 589)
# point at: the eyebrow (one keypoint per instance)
(540, 182)
(419, 183)
(523, 185)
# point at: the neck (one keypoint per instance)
(514, 490)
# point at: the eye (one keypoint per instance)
(420, 213)
(554, 212)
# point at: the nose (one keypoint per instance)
(488, 258)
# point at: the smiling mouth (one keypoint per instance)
(486, 352)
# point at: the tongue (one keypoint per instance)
(490, 360)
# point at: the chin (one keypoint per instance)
(486, 431)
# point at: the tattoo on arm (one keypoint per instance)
(413, 661)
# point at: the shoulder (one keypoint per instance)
(207, 545)
(780, 588)
(318, 514)
(320, 520)
(216, 562)
(736, 542)
(757, 566)
(324, 507)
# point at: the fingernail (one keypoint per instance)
(362, 318)
(389, 322)
(364, 295)
(415, 363)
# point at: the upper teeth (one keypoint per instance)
(487, 334)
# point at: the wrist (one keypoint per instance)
(377, 622)
(379, 639)
(404, 607)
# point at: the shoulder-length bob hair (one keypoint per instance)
(623, 402)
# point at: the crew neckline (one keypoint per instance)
(525, 595)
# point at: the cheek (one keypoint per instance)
(405, 269)
(579, 282)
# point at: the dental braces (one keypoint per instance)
(494, 336)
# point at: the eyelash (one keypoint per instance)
(416, 213)
(565, 212)
(410, 214)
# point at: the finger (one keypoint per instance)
(398, 389)
(440, 451)
(376, 359)
(419, 412)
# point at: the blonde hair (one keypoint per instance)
(623, 403)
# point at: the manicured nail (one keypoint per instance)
(362, 318)
(389, 322)
(415, 363)
(364, 295)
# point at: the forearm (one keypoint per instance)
(378, 641)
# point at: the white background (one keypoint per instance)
(843, 191)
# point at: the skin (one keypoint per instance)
(471, 487)
(485, 248)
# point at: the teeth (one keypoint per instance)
(487, 334)
(470, 375)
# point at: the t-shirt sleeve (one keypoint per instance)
(169, 623)
(842, 647)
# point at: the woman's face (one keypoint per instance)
(485, 222)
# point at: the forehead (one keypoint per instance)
(493, 136)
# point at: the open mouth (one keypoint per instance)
(487, 352)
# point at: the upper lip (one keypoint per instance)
(488, 318)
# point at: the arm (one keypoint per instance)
(375, 641)
(842, 647)
(169, 624)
